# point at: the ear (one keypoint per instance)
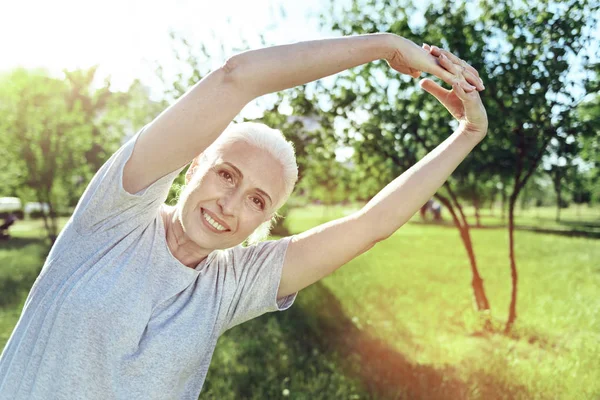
(192, 169)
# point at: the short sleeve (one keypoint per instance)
(257, 271)
(106, 204)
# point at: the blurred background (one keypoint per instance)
(489, 292)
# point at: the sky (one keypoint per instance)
(128, 37)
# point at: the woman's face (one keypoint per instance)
(232, 196)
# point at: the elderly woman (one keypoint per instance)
(134, 294)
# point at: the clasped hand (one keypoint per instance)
(463, 101)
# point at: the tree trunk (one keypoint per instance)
(477, 217)
(45, 219)
(477, 282)
(53, 223)
(512, 310)
(503, 206)
(558, 202)
(556, 180)
(50, 222)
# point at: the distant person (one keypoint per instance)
(436, 209)
(426, 207)
(9, 220)
(134, 294)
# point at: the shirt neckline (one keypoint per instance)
(163, 239)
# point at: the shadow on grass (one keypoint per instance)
(584, 224)
(316, 351)
(11, 288)
(571, 233)
(12, 285)
(567, 233)
(387, 373)
(15, 243)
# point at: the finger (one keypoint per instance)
(460, 92)
(456, 71)
(470, 68)
(470, 100)
(438, 70)
(462, 67)
(426, 47)
(461, 62)
(442, 95)
(436, 51)
(473, 109)
(434, 89)
(446, 53)
(472, 79)
(443, 68)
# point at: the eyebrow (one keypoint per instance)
(237, 171)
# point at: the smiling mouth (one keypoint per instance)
(217, 226)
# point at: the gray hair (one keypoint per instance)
(272, 141)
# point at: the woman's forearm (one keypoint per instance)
(276, 68)
(395, 204)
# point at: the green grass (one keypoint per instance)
(577, 218)
(21, 259)
(412, 292)
(399, 322)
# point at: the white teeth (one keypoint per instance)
(213, 223)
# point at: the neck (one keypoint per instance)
(181, 246)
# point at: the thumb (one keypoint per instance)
(434, 89)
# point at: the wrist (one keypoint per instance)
(392, 43)
(476, 133)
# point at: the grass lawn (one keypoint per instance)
(411, 295)
(578, 219)
(21, 260)
(398, 322)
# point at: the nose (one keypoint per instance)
(229, 203)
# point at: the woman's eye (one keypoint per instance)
(258, 202)
(226, 175)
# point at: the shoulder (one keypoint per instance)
(260, 253)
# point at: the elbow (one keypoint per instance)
(381, 237)
(231, 67)
(372, 227)
(379, 234)
(232, 71)
(373, 242)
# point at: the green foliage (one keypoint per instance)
(524, 56)
(524, 53)
(58, 132)
(589, 111)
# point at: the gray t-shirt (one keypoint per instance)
(114, 315)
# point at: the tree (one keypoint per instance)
(589, 111)
(402, 123)
(58, 132)
(530, 96)
(471, 187)
(43, 137)
(524, 54)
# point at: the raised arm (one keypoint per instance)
(318, 252)
(197, 118)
